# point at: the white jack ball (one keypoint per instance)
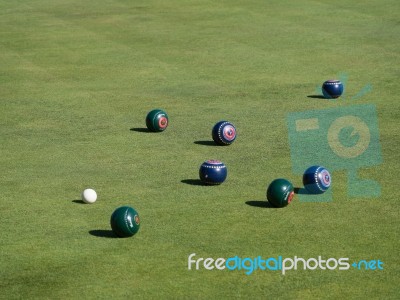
(89, 196)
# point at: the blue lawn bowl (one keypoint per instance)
(316, 180)
(224, 133)
(213, 172)
(332, 89)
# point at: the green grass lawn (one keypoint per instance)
(77, 79)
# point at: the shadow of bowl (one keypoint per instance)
(206, 143)
(103, 233)
(78, 201)
(301, 191)
(140, 129)
(193, 182)
(316, 96)
(258, 203)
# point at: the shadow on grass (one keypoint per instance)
(78, 201)
(206, 143)
(140, 129)
(258, 203)
(193, 182)
(103, 233)
(301, 191)
(316, 96)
